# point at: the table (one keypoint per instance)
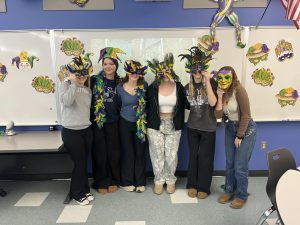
(288, 197)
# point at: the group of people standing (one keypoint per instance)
(103, 112)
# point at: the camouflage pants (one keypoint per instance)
(163, 147)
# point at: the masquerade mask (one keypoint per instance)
(224, 79)
(81, 67)
(163, 69)
(133, 67)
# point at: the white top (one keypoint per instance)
(231, 108)
(167, 103)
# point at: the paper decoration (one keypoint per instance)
(80, 3)
(43, 84)
(284, 50)
(258, 52)
(206, 45)
(287, 96)
(226, 10)
(263, 77)
(3, 72)
(72, 46)
(23, 61)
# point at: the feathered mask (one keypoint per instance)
(196, 60)
(134, 67)
(164, 68)
(110, 52)
(80, 66)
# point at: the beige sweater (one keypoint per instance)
(243, 108)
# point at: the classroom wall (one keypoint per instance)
(28, 14)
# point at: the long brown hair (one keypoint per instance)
(235, 81)
(192, 90)
(126, 78)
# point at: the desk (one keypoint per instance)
(31, 141)
(288, 197)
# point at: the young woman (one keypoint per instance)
(75, 97)
(240, 134)
(132, 92)
(202, 97)
(105, 113)
(166, 104)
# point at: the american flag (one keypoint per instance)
(292, 8)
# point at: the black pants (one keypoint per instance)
(78, 143)
(133, 162)
(201, 163)
(106, 155)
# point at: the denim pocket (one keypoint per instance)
(251, 128)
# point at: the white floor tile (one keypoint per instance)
(271, 221)
(32, 199)
(74, 214)
(130, 223)
(180, 196)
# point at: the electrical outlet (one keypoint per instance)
(263, 145)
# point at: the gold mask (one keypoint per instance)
(224, 79)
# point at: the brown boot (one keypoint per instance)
(192, 192)
(158, 189)
(224, 198)
(201, 195)
(102, 190)
(237, 203)
(112, 189)
(170, 188)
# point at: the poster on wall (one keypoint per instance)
(190, 4)
(2, 6)
(78, 4)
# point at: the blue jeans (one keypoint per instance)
(237, 160)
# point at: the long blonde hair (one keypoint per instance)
(192, 90)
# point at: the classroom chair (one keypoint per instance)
(279, 161)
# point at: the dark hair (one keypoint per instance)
(113, 60)
(87, 82)
(117, 77)
(235, 81)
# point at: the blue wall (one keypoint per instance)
(29, 14)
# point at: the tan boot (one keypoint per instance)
(158, 189)
(224, 198)
(170, 188)
(102, 191)
(112, 189)
(237, 203)
(192, 192)
(201, 195)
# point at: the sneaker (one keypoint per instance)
(237, 203)
(158, 189)
(201, 195)
(140, 189)
(112, 188)
(224, 198)
(192, 192)
(82, 201)
(89, 197)
(130, 188)
(170, 188)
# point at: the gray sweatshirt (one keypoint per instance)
(76, 103)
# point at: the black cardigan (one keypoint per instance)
(153, 119)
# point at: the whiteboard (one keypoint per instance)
(264, 103)
(20, 102)
(146, 44)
